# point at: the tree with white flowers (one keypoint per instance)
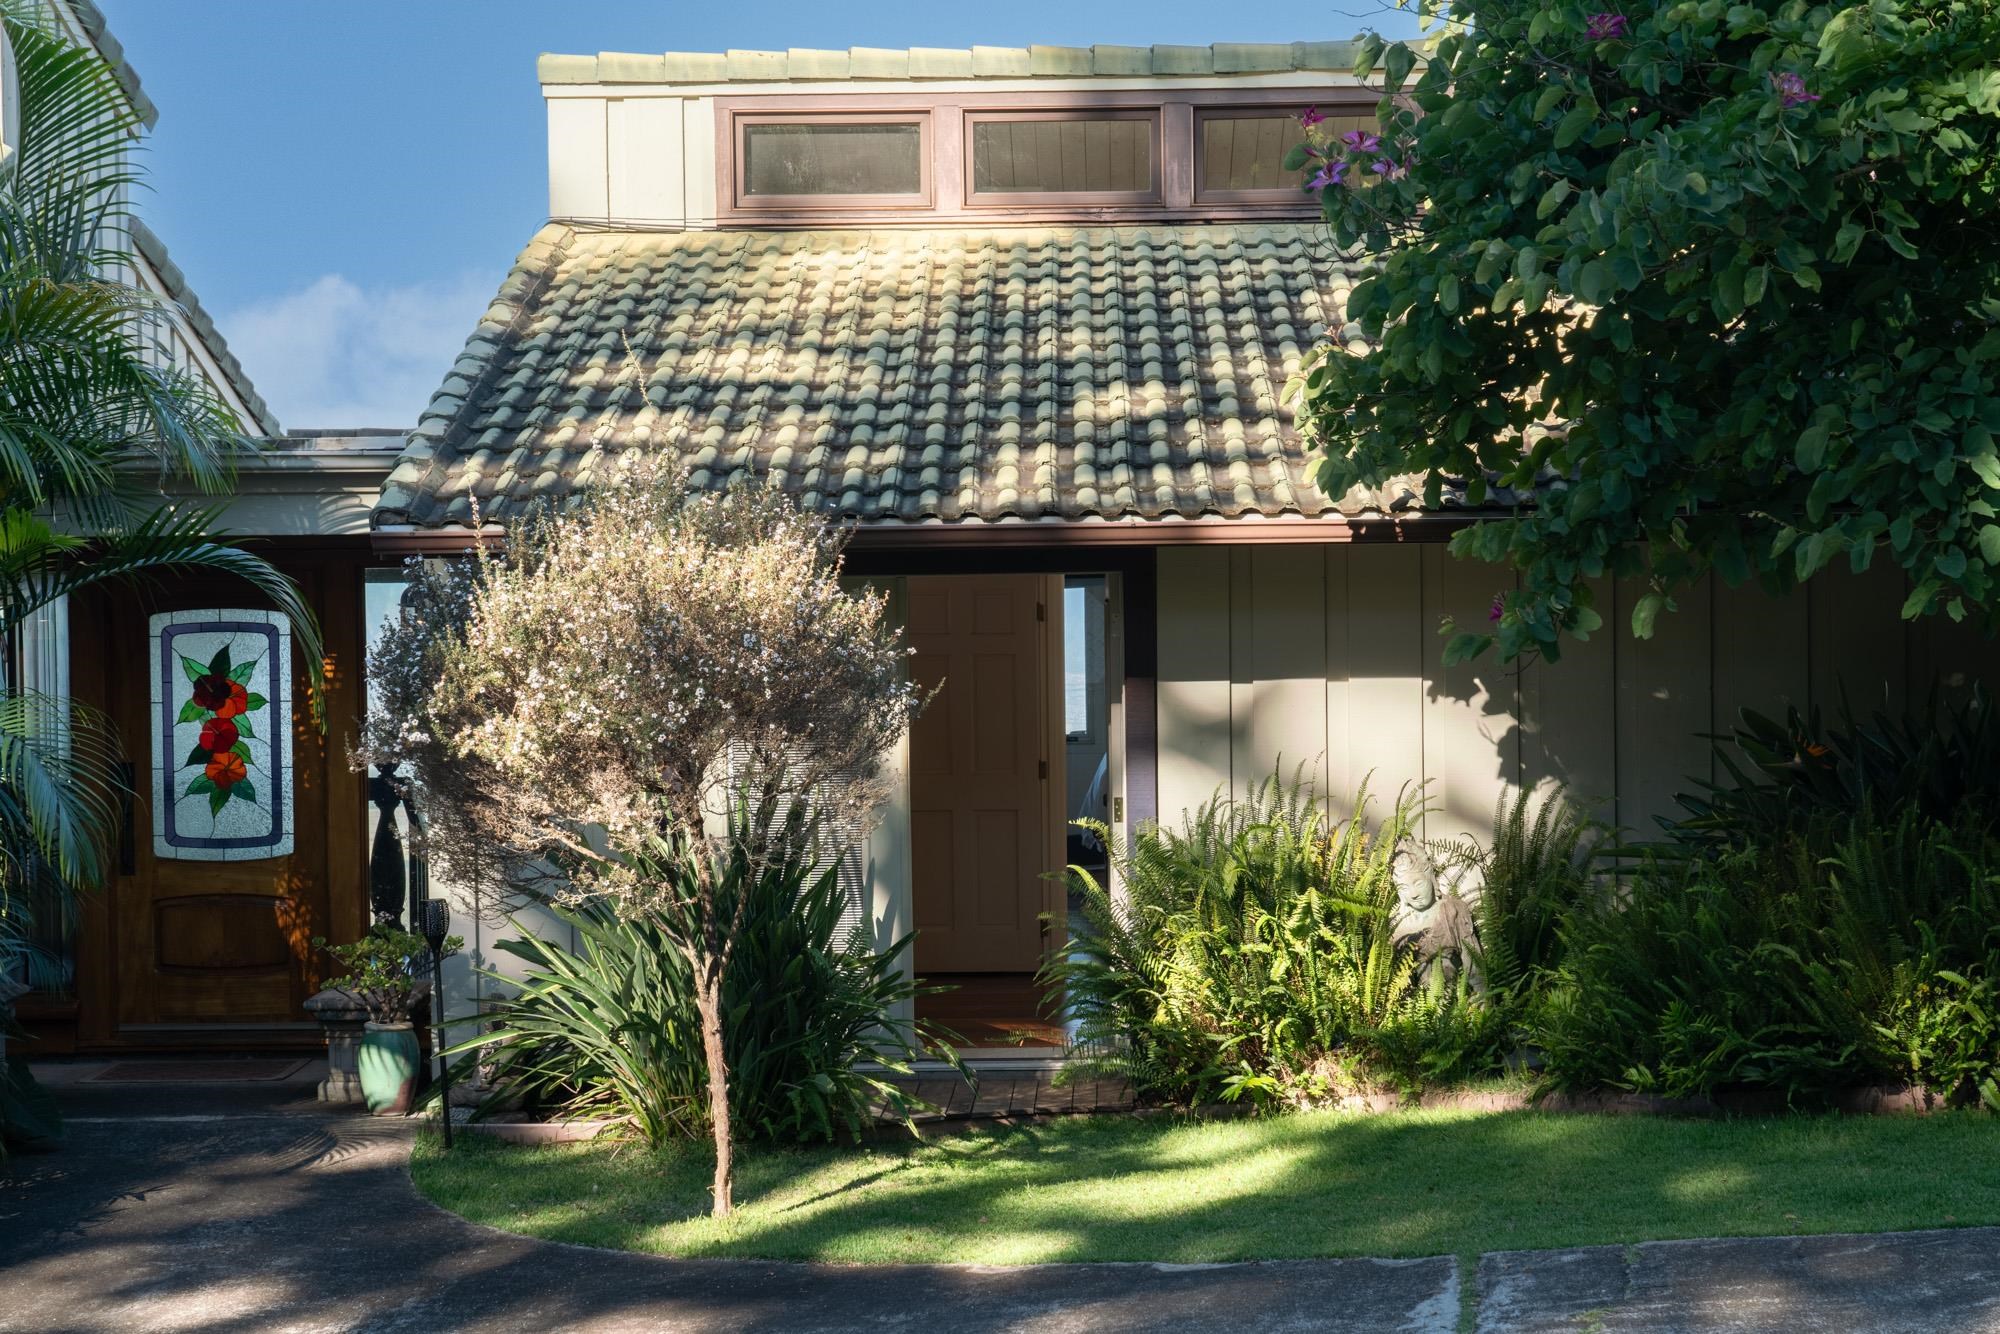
(640, 698)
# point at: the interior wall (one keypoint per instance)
(1330, 657)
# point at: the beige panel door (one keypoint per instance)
(979, 825)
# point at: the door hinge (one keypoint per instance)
(1041, 611)
(1043, 765)
(1118, 810)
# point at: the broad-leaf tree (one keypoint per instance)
(1708, 287)
(636, 706)
(90, 429)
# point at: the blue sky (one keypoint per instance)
(345, 185)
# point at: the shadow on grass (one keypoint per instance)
(1306, 1186)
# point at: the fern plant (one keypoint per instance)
(1252, 953)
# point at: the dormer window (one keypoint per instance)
(1240, 152)
(1099, 157)
(1117, 154)
(837, 161)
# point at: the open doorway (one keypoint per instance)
(1086, 708)
(1012, 747)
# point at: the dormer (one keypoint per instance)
(932, 137)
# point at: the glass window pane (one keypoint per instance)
(833, 158)
(1248, 152)
(1076, 662)
(1062, 156)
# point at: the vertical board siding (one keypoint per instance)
(1386, 628)
(1243, 671)
(1340, 776)
(1664, 685)
(1855, 662)
(1270, 653)
(1566, 707)
(1194, 724)
(1472, 741)
(1761, 659)
(1287, 659)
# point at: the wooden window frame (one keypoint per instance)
(1204, 194)
(1151, 116)
(741, 201)
(946, 148)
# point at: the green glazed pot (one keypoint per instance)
(389, 1061)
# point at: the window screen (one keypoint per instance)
(1096, 156)
(1248, 152)
(833, 158)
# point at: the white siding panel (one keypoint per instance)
(579, 176)
(648, 170)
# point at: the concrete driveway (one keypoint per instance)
(227, 1208)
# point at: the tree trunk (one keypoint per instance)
(708, 1002)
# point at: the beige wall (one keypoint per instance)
(1331, 656)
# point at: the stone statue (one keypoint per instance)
(1436, 919)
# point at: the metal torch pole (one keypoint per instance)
(437, 921)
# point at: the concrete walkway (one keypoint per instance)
(266, 1213)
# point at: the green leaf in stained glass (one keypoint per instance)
(217, 799)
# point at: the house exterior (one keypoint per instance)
(1022, 319)
(181, 952)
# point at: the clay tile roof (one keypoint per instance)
(1070, 373)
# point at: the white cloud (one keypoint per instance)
(336, 354)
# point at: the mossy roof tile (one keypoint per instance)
(1088, 372)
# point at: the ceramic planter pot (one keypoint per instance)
(389, 1061)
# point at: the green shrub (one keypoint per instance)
(609, 1027)
(1252, 953)
(1782, 775)
(1856, 950)
(1537, 870)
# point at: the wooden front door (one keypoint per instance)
(187, 953)
(981, 831)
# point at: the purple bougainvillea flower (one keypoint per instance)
(1606, 27)
(1499, 607)
(1388, 169)
(1791, 89)
(1361, 141)
(1310, 117)
(1329, 173)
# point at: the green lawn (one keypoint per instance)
(1112, 1188)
